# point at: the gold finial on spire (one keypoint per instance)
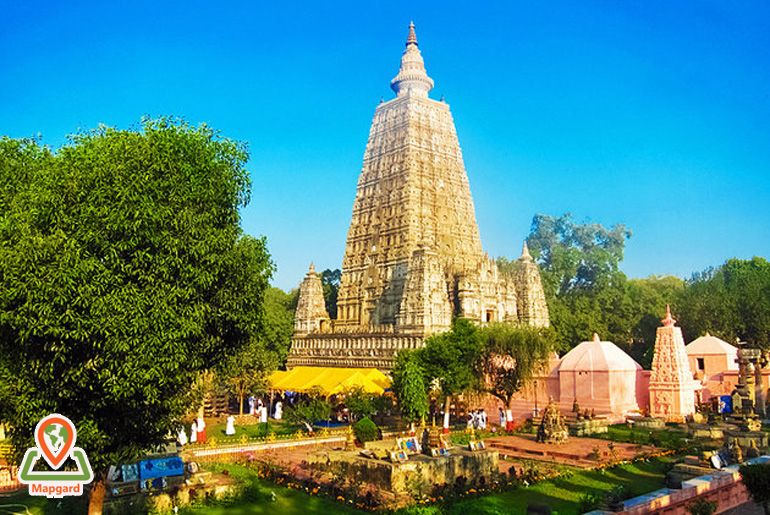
(411, 39)
(596, 338)
(668, 321)
(311, 270)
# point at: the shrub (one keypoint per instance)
(702, 507)
(365, 430)
(756, 477)
(590, 501)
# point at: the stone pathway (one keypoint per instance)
(576, 451)
(750, 508)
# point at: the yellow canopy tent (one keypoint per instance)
(329, 380)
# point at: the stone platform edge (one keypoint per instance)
(723, 485)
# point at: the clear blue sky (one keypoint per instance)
(653, 114)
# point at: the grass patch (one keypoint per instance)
(668, 438)
(252, 432)
(261, 497)
(18, 502)
(563, 494)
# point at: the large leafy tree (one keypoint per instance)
(449, 359)
(732, 301)
(123, 275)
(511, 356)
(576, 256)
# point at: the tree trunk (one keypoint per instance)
(96, 496)
(447, 404)
(240, 402)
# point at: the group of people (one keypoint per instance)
(477, 419)
(197, 433)
(260, 409)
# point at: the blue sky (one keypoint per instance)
(652, 114)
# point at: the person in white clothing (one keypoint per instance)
(278, 410)
(193, 432)
(182, 437)
(230, 428)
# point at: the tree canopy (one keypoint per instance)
(123, 274)
(410, 387)
(511, 356)
(731, 301)
(587, 292)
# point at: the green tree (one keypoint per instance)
(756, 477)
(511, 356)
(648, 298)
(330, 280)
(409, 386)
(732, 301)
(450, 358)
(308, 411)
(123, 275)
(574, 256)
(360, 403)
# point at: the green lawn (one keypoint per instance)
(669, 438)
(19, 502)
(563, 495)
(255, 431)
(258, 499)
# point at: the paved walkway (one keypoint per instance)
(576, 451)
(750, 508)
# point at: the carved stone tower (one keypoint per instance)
(413, 257)
(533, 309)
(672, 387)
(311, 315)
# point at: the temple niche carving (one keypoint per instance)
(413, 258)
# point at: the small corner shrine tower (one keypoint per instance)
(672, 387)
(413, 258)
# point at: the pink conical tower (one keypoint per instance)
(672, 387)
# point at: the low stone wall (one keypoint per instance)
(401, 478)
(723, 487)
(203, 453)
(587, 427)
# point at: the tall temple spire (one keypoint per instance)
(412, 79)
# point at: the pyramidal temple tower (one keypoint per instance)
(413, 258)
(672, 387)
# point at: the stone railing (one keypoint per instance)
(214, 447)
